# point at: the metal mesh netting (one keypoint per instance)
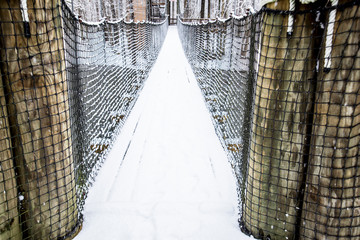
(219, 54)
(283, 90)
(66, 88)
(107, 65)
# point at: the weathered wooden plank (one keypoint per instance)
(35, 78)
(9, 214)
(283, 94)
(331, 207)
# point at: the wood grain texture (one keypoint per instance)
(139, 8)
(9, 214)
(283, 94)
(35, 79)
(332, 197)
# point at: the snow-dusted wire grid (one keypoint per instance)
(287, 110)
(219, 55)
(66, 88)
(107, 64)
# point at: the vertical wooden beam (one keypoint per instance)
(139, 7)
(168, 11)
(209, 9)
(35, 79)
(9, 214)
(331, 207)
(202, 10)
(282, 108)
(187, 9)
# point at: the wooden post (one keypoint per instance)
(9, 214)
(202, 9)
(331, 207)
(35, 80)
(283, 94)
(139, 7)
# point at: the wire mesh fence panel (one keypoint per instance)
(225, 81)
(287, 97)
(66, 89)
(107, 65)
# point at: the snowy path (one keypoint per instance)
(167, 176)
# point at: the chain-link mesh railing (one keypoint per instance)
(283, 90)
(66, 88)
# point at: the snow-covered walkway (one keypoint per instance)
(167, 176)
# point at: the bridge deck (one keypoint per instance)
(167, 176)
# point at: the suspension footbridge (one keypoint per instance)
(167, 176)
(258, 133)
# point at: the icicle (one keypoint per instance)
(25, 16)
(291, 18)
(329, 37)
